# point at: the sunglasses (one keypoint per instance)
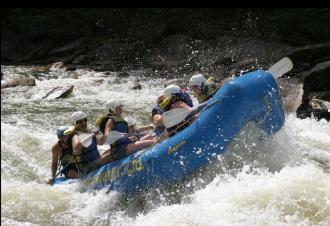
(81, 121)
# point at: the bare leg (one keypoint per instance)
(147, 137)
(105, 158)
(106, 152)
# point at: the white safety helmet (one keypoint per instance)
(130, 123)
(197, 80)
(112, 105)
(76, 116)
(171, 89)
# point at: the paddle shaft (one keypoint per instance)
(86, 138)
(61, 171)
(281, 67)
(177, 115)
(115, 135)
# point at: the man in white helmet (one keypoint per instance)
(113, 121)
(86, 154)
(203, 88)
(175, 97)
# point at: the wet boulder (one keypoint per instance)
(53, 93)
(316, 108)
(317, 79)
(56, 66)
(19, 82)
(291, 93)
(312, 66)
(59, 92)
(306, 57)
(137, 86)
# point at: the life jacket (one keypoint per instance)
(67, 152)
(203, 97)
(89, 154)
(208, 90)
(181, 126)
(120, 125)
(86, 155)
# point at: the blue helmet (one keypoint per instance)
(60, 131)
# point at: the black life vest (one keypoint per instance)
(120, 124)
(181, 126)
(88, 154)
(67, 152)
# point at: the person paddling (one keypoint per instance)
(113, 121)
(175, 97)
(203, 88)
(86, 158)
(62, 153)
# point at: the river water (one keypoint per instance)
(279, 180)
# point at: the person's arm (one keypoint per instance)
(146, 127)
(108, 127)
(158, 122)
(76, 145)
(56, 152)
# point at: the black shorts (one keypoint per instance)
(119, 152)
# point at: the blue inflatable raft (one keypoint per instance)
(252, 97)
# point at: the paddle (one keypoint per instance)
(115, 135)
(177, 115)
(281, 67)
(51, 181)
(86, 139)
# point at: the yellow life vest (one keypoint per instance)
(208, 90)
(69, 131)
(102, 120)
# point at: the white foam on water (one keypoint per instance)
(261, 180)
(296, 195)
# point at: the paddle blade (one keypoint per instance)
(113, 136)
(281, 67)
(175, 116)
(86, 139)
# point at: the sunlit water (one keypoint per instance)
(279, 180)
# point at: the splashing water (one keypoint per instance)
(279, 180)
